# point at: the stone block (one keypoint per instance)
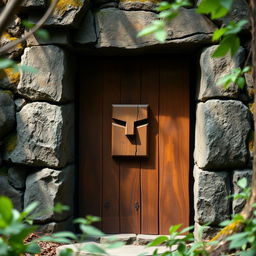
(48, 187)
(202, 233)
(53, 79)
(238, 204)
(210, 196)
(222, 130)
(15, 195)
(212, 69)
(126, 238)
(130, 5)
(86, 32)
(17, 176)
(45, 135)
(7, 113)
(119, 29)
(67, 13)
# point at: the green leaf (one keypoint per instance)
(117, 244)
(250, 252)
(65, 234)
(240, 82)
(93, 248)
(27, 69)
(158, 240)
(59, 208)
(3, 248)
(242, 183)
(161, 35)
(222, 49)
(6, 63)
(246, 69)
(60, 240)
(43, 34)
(155, 26)
(218, 33)
(33, 248)
(6, 207)
(234, 45)
(66, 252)
(90, 230)
(216, 8)
(28, 24)
(174, 228)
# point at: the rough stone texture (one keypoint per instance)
(7, 113)
(45, 135)
(15, 28)
(67, 15)
(210, 196)
(238, 204)
(9, 79)
(249, 84)
(212, 69)
(222, 130)
(206, 233)
(20, 103)
(126, 238)
(53, 79)
(86, 32)
(7, 190)
(17, 176)
(59, 37)
(239, 11)
(148, 5)
(34, 4)
(48, 187)
(119, 29)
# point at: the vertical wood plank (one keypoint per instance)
(110, 195)
(149, 167)
(173, 145)
(90, 141)
(130, 168)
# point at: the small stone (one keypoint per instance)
(222, 130)
(17, 177)
(7, 113)
(210, 196)
(20, 103)
(238, 204)
(45, 135)
(213, 69)
(7, 190)
(125, 238)
(53, 79)
(48, 187)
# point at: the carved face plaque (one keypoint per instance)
(129, 130)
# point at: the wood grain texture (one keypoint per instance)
(90, 141)
(173, 145)
(149, 167)
(130, 168)
(110, 218)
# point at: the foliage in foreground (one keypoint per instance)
(15, 227)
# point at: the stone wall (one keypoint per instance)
(37, 109)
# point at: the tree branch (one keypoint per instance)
(12, 44)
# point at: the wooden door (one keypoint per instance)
(135, 195)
